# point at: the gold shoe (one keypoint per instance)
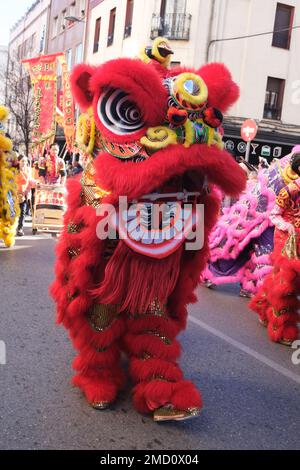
(169, 413)
(263, 322)
(100, 405)
(286, 342)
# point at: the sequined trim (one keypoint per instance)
(74, 228)
(155, 309)
(160, 336)
(161, 378)
(145, 356)
(73, 252)
(72, 296)
(91, 194)
(89, 197)
(282, 311)
(101, 316)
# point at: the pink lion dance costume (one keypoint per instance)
(159, 138)
(243, 239)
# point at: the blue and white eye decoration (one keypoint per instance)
(118, 114)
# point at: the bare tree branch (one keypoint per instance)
(20, 101)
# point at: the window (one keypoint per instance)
(59, 69)
(97, 35)
(42, 40)
(111, 29)
(69, 59)
(128, 20)
(172, 21)
(172, 6)
(55, 27)
(283, 21)
(78, 53)
(72, 10)
(33, 42)
(62, 20)
(81, 8)
(19, 52)
(274, 98)
(26, 47)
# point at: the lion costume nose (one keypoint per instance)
(177, 117)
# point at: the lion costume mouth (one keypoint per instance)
(158, 223)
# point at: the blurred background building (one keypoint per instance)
(258, 40)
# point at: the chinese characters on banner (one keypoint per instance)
(67, 104)
(43, 74)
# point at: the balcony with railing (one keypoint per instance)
(171, 26)
(271, 112)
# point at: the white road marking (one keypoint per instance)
(14, 248)
(259, 357)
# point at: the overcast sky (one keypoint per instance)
(11, 12)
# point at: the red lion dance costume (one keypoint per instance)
(276, 301)
(159, 130)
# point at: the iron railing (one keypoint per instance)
(272, 113)
(171, 26)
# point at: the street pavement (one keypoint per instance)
(250, 386)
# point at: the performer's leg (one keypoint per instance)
(23, 206)
(282, 313)
(99, 373)
(153, 351)
(259, 303)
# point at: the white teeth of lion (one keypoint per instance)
(147, 238)
(136, 234)
(179, 225)
(132, 211)
(158, 237)
(133, 224)
(186, 213)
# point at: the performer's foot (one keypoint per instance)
(169, 413)
(286, 342)
(100, 393)
(290, 334)
(208, 284)
(245, 293)
(263, 322)
(101, 405)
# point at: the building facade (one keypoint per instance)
(67, 26)
(258, 41)
(3, 67)
(28, 36)
(265, 66)
(120, 27)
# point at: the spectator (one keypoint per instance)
(52, 168)
(23, 187)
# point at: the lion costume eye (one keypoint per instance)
(118, 114)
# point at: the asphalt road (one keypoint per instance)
(250, 386)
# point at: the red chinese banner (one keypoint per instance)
(43, 74)
(67, 104)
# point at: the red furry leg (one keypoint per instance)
(153, 351)
(282, 313)
(259, 304)
(99, 374)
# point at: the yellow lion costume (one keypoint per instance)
(9, 210)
